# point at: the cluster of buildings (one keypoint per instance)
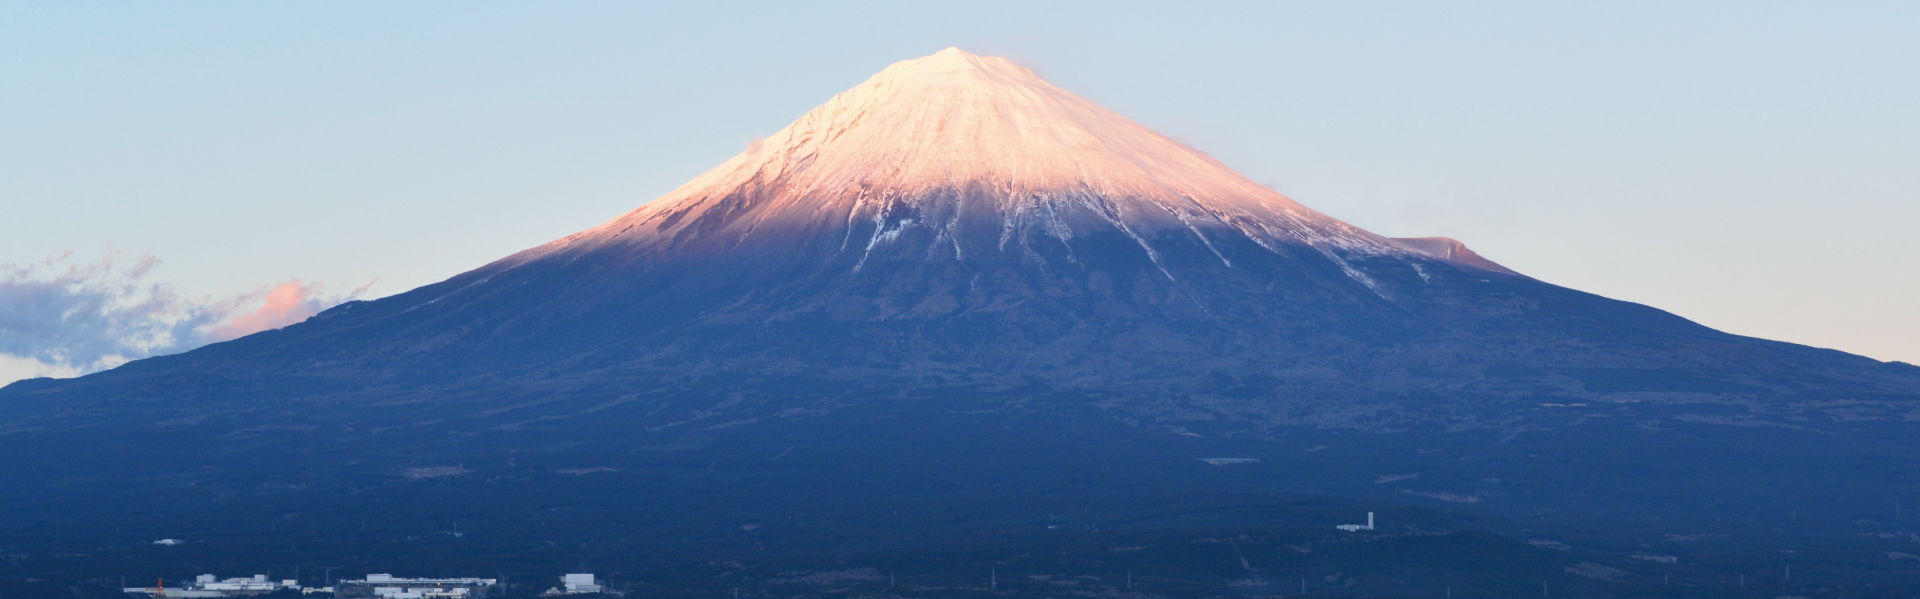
(208, 585)
(387, 586)
(374, 586)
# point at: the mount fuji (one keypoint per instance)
(958, 285)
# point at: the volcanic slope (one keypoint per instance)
(956, 236)
(957, 221)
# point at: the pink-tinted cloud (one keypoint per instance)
(72, 316)
(280, 305)
(284, 304)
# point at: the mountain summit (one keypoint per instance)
(927, 135)
(954, 119)
(961, 157)
(954, 280)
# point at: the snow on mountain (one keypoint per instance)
(1451, 250)
(929, 142)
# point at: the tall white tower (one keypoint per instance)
(1358, 527)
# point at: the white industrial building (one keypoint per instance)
(576, 584)
(386, 586)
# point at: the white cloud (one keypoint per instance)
(65, 317)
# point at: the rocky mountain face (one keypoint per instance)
(955, 259)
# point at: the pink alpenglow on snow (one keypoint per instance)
(931, 142)
(953, 118)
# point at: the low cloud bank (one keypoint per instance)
(65, 317)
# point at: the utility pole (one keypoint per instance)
(995, 581)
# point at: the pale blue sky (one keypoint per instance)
(1752, 166)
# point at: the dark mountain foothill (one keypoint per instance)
(956, 324)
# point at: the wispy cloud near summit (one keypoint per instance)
(281, 305)
(67, 316)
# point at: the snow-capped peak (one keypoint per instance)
(926, 140)
(953, 118)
